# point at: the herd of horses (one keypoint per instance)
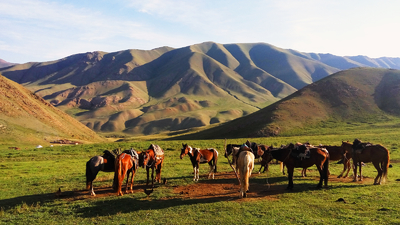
(125, 164)
(243, 156)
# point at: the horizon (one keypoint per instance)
(43, 30)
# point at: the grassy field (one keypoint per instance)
(29, 179)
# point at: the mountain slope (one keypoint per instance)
(4, 63)
(357, 94)
(26, 118)
(166, 89)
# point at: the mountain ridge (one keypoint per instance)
(100, 89)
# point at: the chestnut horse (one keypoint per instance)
(126, 163)
(105, 163)
(245, 165)
(152, 158)
(198, 156)
(377, 154)
(317, 156)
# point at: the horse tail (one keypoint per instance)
(325, 170)
(385, 166)
(118, 171)
(215, 152)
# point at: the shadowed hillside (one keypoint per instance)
(358, 94)
(26, 118)
(165, 89)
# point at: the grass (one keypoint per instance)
(30, 178)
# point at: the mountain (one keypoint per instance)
(165, 89)
(358, 94)
(26, 118)
(4, 63)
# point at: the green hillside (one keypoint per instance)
(354, 95)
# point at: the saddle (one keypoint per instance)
(301, 152)
(243, 148)
(134, 155)
(359, 146)
(157, 151)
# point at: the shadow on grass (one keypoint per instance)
(109, 204)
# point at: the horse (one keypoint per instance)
(366, 152)
(105, 163)
(338, 153)
(199, 156)
(254, 148)
(287, 155)
(126, 163)
(152, 158)
(245, 164)
(265, 160)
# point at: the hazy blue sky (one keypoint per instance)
(44, 30)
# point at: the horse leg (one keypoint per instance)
(133, 174)
(197, 174)
(290, 171)
(210, 173)
(378, 178)
(158, 173)
(194, 172)
(127, 181)
(355, 170)
(282, 168)
(345, 166)
(303, 172)
(91, 189)
(147, 170)
(152, 176)
(321, 176)
(360, 168)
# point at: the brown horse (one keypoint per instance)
(377, 154)
(152, 158)
(198, 156)
(126, 163)
(338, 153)
(245, 165)
(317, 156)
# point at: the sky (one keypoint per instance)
(46, 30)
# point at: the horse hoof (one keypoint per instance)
(339, 176)
(377, 183)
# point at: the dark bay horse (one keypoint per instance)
(126, 164)
(317, 156)
(366, 152)
(199, 156)
(152, 158)
(245, 165)
(105, 163)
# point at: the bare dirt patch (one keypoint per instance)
(223, 188)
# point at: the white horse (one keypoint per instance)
(245, 164)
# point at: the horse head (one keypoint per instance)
(228, 150)
(143, 158)
(185, 150)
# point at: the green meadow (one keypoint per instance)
(30, 177)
